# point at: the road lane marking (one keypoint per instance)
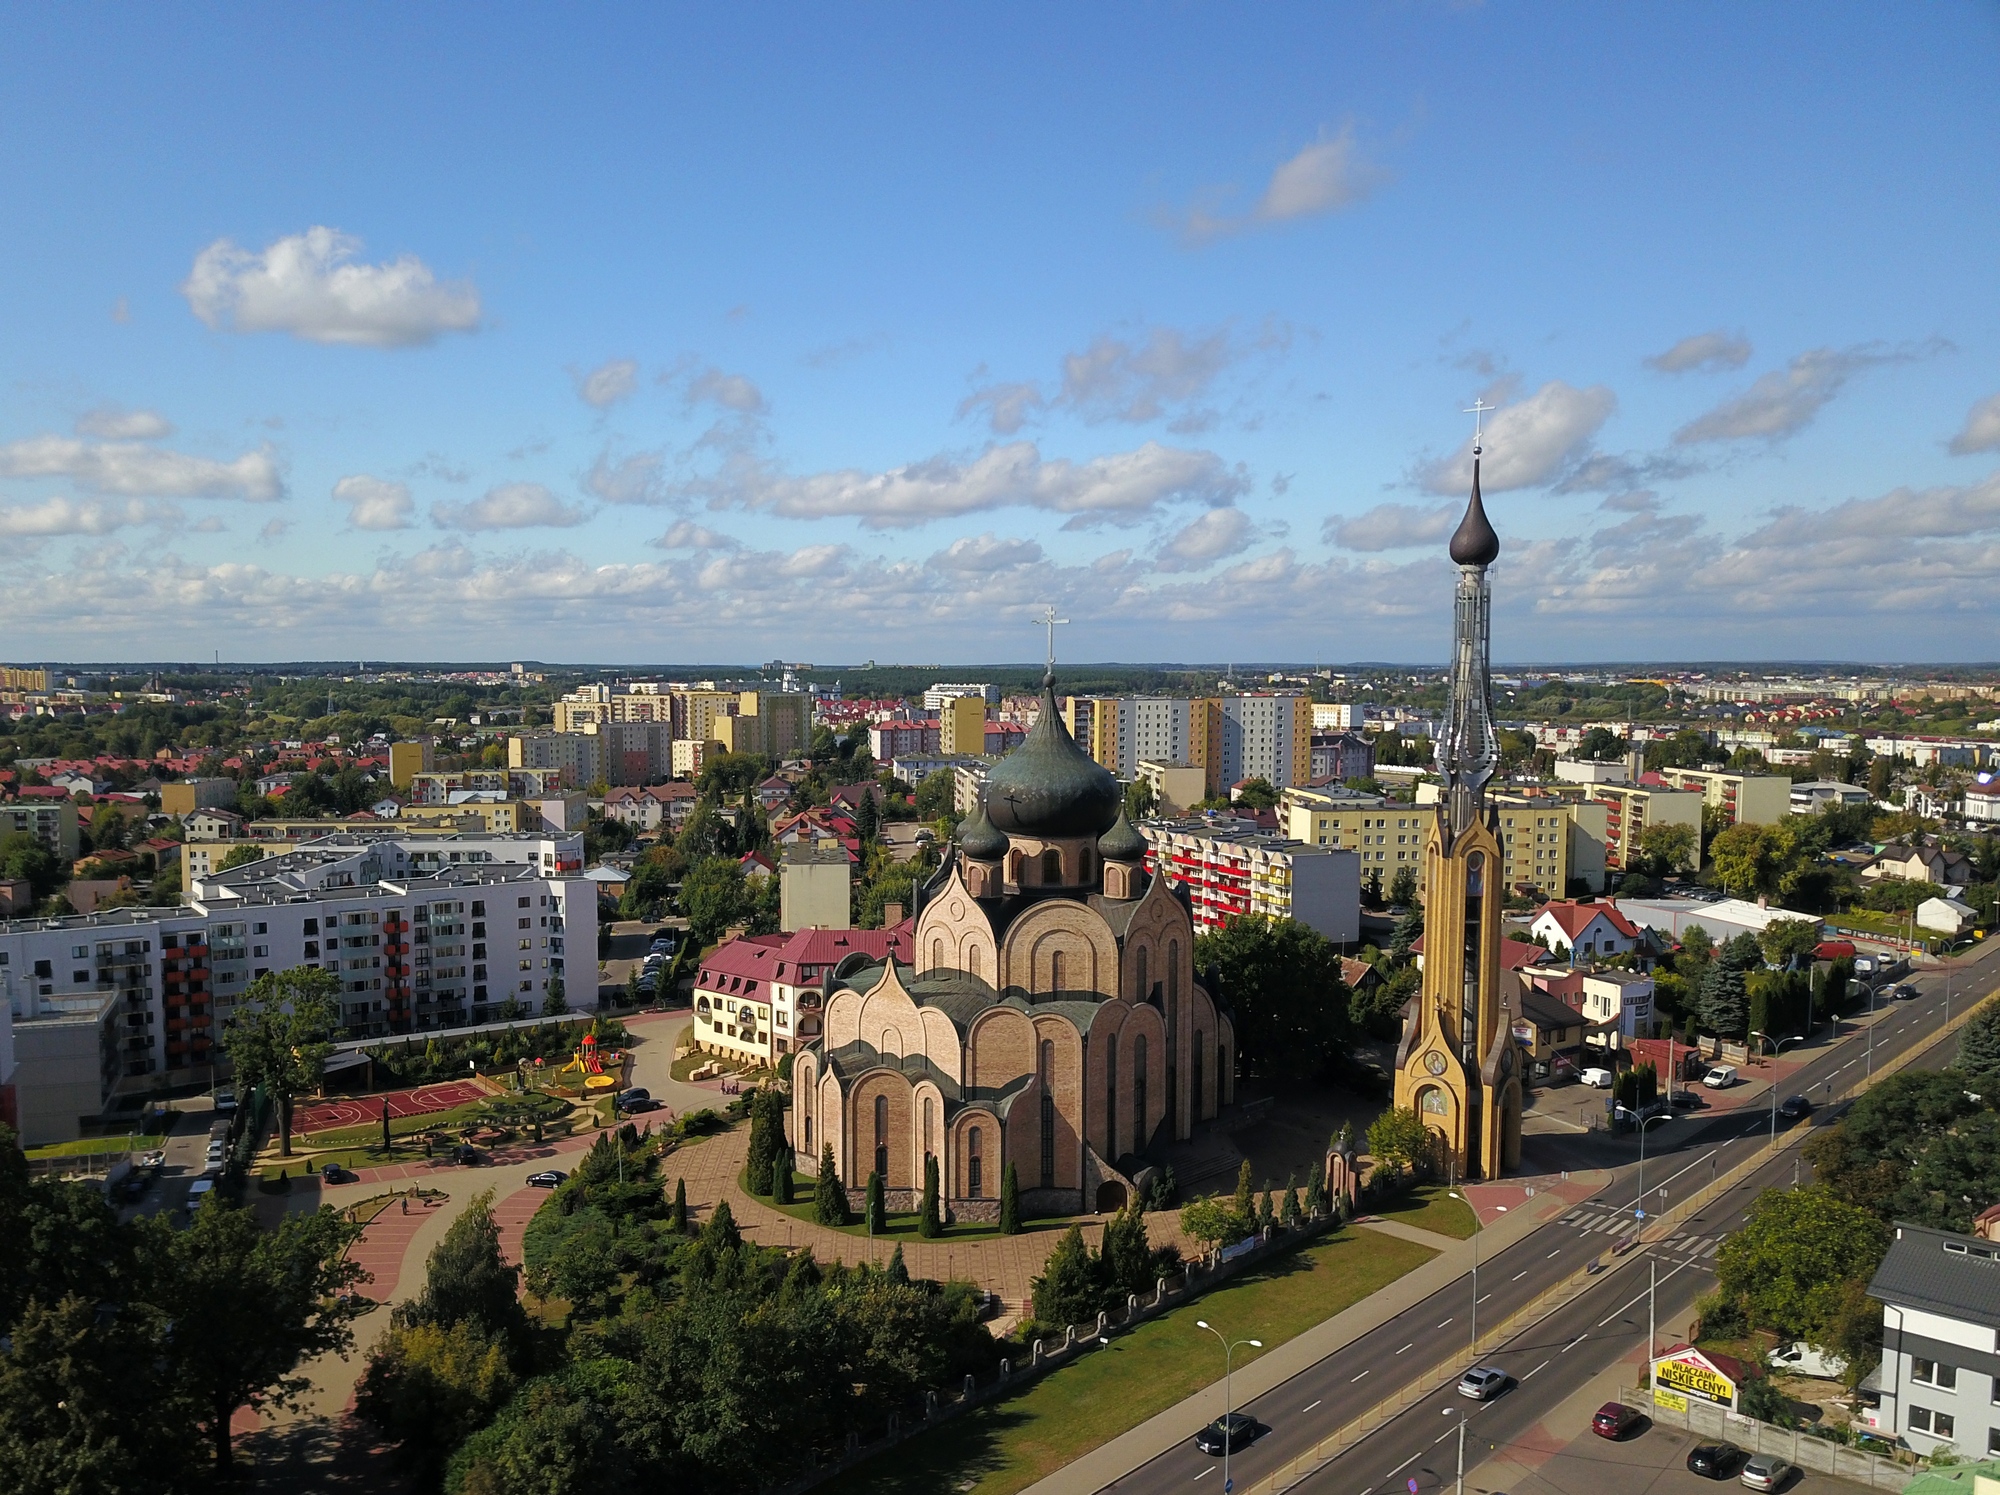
(1442, 1436)
(1304, 1410)
(1410, 1346)
(1574, 1343)
(1554, 1253)
(1531, 1374)
(1206, 1472)
(1482, 1297)
(1315, 1404)
(1519, 1275)
(1406, 1463)
(1440, 1326)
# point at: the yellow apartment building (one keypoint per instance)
(1743, 798)
(1630, 808)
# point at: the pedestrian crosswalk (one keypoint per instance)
(1618, 1224)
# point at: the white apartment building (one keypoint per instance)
(938, 694)
(1259, 737)
(1229, 871)
(1338, 718)
(423, 934)
(1145, 728)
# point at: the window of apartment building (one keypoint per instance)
(1931, 1373)
(1937, 1424)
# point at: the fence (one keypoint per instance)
(1821, 1455)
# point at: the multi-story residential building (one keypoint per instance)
(1631, 808)
(767, 722)
(938, 694)
(814, 882)
(1924, 752)
(891, 740)
(1743, 798)
(408, 759)
(1811, 797)
(962, 725)
(1177, 787)
(1384, 836)
(1265, 737)
(1121, 731)
(513, 783)
(648, 807)
(1229, 871)
(1341, 756)
(51, 821)
(403, 923)
(1940, 1372)
(760, 997)
(1338, 718)
(13, 677)
(577, 756)
(188, 795)
(694, 713)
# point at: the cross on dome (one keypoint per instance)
(1048, 619)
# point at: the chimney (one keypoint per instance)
(892, 915)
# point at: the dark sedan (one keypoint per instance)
(1714, 1460)
(1795, 1108)
(1233, 1433)
(639, 1107)
(549, 1178)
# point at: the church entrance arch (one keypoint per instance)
(1110, 1197)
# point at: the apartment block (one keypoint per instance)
(577, 756)
(408, 759)
(189, 795)
(1338, 718)
(772, 723)
(938, 694)
(1384, 836)
(13, 677)
(962, 725)
(50, 821)
(1744, 798)
(515, 783)
(814, 887)
(694, 713)
(1176, 786)
(1229, 872)
(1630, 808)
(1251, 737)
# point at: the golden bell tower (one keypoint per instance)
(1458, 1066)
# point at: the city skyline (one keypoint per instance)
(671, 336)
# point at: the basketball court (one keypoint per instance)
(366, 1110)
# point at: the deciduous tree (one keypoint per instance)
(1790, 1264)
(1283, 979)
(280, 1036)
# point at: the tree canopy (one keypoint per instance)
(1282, 979)
(279, 1036)
(1789, 1265)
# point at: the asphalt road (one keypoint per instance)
(1560, 1354)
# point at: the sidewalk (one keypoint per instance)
(1155, 1436)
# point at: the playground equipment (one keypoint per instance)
(586, 1060)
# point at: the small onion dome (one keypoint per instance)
(979, 840)
(1474, 543)
(1048, 788)
(1122, 843)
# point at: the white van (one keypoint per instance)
(1721, 1077)
(1596, 1079)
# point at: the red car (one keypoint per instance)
(1614, 1420)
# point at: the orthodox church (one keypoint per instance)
(1051, 1019)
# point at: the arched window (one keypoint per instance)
(1051, 867)
(1139, 1093)
(1083, 871)
(937, 953)
(1194, 1079)
(1014, 868)
(1145, 986)
(974, 1182)
(882, 1137)
(972, 962)
(1056, 972)
(1173, 980)
(1111, 1097)
(927, 1128)
(1047, 1073)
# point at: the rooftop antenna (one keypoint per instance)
(1477, 410)
(1048, 619)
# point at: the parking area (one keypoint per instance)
(1650, 1461)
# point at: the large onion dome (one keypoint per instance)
(1048, 787)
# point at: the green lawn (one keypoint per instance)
(1431, 1207)
(897, 1227)
(86, 1145)
(1007, 1445)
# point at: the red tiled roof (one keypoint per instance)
(1574, 918)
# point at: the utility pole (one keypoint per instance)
(1461, 1453)
(1652, 1288)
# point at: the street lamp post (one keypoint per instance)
(1777, 1048)
(1229, 1348)
(1475, 1271)
(1639, 1203)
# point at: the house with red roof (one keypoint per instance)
(1587, 930)
(759, 997)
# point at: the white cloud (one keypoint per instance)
(113, 424)
(685, 534)
(376, 503)
(637, 479)
(68, 516)
(1904, 514)
(731, 391)
(1707, 351)
(1008, 407)
(273, 531)
(1599, 472)
(1124, 487)
(1780, 404)
(608, 383)
(143, 471)
(1392, 527)
(1326, 177)
(1981, 432)
(509, 506)
(1206, 539)
(1528, 443)
(309, 286)
(984, 553)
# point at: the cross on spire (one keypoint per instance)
(1477, 410)
(1048, 619)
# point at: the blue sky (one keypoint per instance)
(636, 334)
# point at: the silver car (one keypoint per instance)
(1765, 1471)
(1482, 1382)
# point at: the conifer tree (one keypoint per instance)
(829, 1197)
(878, 1208)
(1245, 1204)
(681, 1206)
(1069, 1288)
(898, 1271)
(1979, 1052)
(720, 1232)
(930, 1224)
(1010, 1202)
(1288, 1207)
(1315, 1189)
(781, 1177)
(1264, 1215)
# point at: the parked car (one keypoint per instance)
(1689, 1100)
(1721, 1077)
(1765, 1471)
(1714, 1460)
(225, 1102)
(548, 1178)
(1795, 1108)
(641, 1107)
(1904, 992)
(465, 1154)
(218, 1152)
(1614, 1420)
(333, 1173)
(1596, 1079)
(1482, 1382)
(1233, 1433)
(199, 1190)
(637, 1092)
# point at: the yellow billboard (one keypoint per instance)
(1694, 1374)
